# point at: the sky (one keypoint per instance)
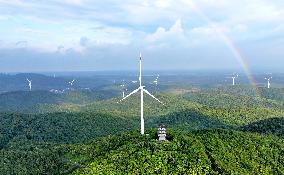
(95, 35)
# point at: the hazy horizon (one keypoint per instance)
(163, 71)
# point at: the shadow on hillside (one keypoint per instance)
(59, 128)
(187, 120)
(273, 126)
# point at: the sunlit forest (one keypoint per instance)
(211, 129)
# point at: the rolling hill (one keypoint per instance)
(80, 132)
(30, 101)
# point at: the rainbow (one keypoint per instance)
(231, 45)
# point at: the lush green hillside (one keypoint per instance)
(229, 109)
(200, 152)
(21, 100)
(60, 127)
(63, 132)
(34, 144)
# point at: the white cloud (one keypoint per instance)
(162, 3)
(176, 31)
(45, 25)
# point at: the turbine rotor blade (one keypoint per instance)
(147, 92)
(133, 92)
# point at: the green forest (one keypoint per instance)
(210, 131)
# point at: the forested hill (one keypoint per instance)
(29, 101)
(209, 133)
(199, 152)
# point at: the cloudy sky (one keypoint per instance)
(65, 35)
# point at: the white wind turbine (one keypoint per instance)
(233, 78)
(268, 82)
(156, 82)
(142, 90)
(123, 88)
(30, 84)
(71, 82)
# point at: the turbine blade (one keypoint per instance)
(147, 92)
(133, 92)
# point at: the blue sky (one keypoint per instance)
(78, 35)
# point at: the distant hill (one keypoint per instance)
(273, 126)
(26, 101)
(18, 82)
(273, 93)
(60, 127)
(20, 100)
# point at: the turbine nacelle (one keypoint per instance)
(268, 78)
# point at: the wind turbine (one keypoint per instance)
(268, 82)
(30, 84)
(122, 86)
(233, 78)
(156, 82)
(142, 90)
(71, 82)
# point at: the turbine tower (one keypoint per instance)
(142, 89)
(268, 82)
(123, 88)
(233, 78)
(30, 84)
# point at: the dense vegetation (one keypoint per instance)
(273, 126)
(200, 152)
(59, 127)
(213, 131)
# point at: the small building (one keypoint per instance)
(162, 133)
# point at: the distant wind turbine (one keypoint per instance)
(30, 84)
(141, 89)
(268, 82)
(123, 88)
(156, 82)
(233, 78)
(71, 82)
